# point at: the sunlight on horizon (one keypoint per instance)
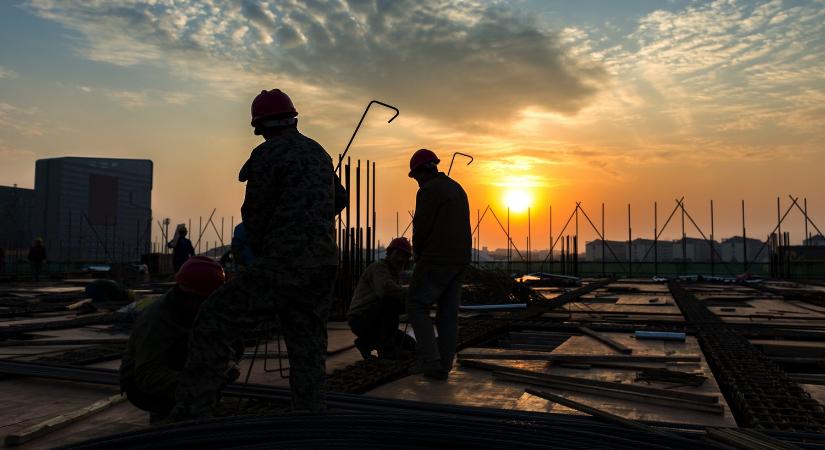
(517, 200)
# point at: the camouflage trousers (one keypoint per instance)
(298, 297)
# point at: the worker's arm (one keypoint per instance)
(426, 214)
(386, 288)
(152, 372)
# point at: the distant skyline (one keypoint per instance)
(559, 102)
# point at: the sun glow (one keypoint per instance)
(517, 200)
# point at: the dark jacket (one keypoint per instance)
(157, 348)
(37, 254)
(181, 251)
(441, 226)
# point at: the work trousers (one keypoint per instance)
(438, 284)
(298, 297)
(37, 267)
(377, 329)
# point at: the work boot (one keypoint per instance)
(366, 351)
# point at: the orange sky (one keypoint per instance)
(714, 100)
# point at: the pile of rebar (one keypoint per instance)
(490, 287)
(386, 431)
(760, 393)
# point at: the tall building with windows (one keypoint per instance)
(97, 209)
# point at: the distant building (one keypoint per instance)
(648, 250)
(815, 241)
(733, 250)
(694, 250)
(612, 250)
(94, 208)
(16, 217)
(805, 253)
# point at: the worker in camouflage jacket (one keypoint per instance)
(157, 348)
(292, 198)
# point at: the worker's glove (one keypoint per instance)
(232, 373)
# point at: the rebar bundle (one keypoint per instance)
(387, 431)
(759, 392)
(489, 287)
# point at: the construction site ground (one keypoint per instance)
(784, 321)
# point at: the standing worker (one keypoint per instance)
(182, 248)
(376, 304)
(292, 198)
(442, 247)
(37, 254)
(157, 349)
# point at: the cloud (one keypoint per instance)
(7, 73)
(461, 61)
(21, 120)
(130, 99)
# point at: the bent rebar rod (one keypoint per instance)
(341, 158)
(453, 160)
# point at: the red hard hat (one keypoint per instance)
(200, 275)
(270, 104)
(401, 243)
(421, 157)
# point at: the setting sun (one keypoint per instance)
(517, 200)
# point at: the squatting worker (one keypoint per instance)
(292, 198)
(377, 302)
(157, 348)
(441, 247)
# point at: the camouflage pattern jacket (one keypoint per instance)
(380, 282)
(292, 198)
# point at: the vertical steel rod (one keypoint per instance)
(744, 241)
(712, 241)
(655, 239)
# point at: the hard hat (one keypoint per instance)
(421, 157)
(200, 275)
(272, 104)
(401, 243)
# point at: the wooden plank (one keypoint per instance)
(61, 421)
(487, 353)
(604, 415)
(645, 390)
(614, 393)
(655, 301)
(623, 349)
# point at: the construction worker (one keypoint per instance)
(157, 348)
(105, 290)
(37, 254)
(441, 247)
(376, 304)
(289, 214)
(182, 248)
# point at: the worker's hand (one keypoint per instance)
(233, 372)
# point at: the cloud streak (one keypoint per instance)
(462, 61)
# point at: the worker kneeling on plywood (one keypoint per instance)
(376, 304)
(157, 349)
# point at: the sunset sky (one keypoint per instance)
(558, 101)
